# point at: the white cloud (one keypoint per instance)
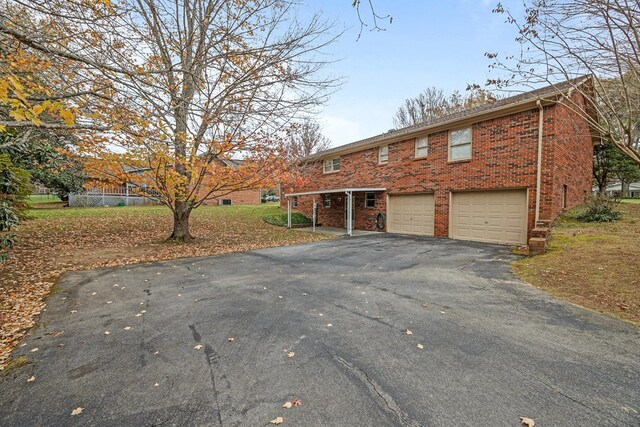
(340, 130)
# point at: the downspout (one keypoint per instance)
(539, 169)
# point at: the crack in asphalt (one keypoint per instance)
(378, 393)
(208, 353)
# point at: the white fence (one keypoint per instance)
(110, 196)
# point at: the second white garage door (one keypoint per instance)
(410, 214)
(489, 216)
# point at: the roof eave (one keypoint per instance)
(456, 122)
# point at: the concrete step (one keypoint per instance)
(541, 232)
(537, 245)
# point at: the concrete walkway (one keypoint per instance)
(336, 231)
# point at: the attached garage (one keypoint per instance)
(410, 214)
(489, 216)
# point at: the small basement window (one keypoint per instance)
(460, 144)
(332, 165)
(295, 201)
(383, 154)
(225, 201)
(326, 200)
(370, 200)
(422, 147)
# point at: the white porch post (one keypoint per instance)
(289, 212)
(315, 213)
(349, 212)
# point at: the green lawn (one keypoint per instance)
(43, 198)
(594, 265)
(631, 200)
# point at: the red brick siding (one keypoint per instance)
(504, 156)
(243, 197)
(573, 157)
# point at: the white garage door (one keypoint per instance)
(489, 216)
(410, 214)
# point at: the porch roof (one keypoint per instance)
(335, 190)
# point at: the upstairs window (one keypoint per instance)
(332, 165)
(460, 144)
(383, 154)
(422, 145)
(370, 200)
(326, 200)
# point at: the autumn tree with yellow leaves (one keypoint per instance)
(166, 93)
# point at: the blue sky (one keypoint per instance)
(430, 43)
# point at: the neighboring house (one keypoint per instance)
(240, 197)
(472, 175)
(615, 190)
(100, 193)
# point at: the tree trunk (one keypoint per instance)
(625, 190)
(181, 215)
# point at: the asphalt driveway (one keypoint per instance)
(151, 344)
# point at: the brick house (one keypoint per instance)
(238, 197)
(99, 192)
(497, 173)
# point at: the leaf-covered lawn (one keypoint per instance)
(594, 265)
(55, 241)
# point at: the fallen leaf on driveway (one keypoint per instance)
(107, 332)
(198, 347)
(408, 332)
(420, 346)
(230, 339)
(277, 421)
(156, 385)
(329, 325)
(77, 411)
(296, 402)
(287, 405)
(126, 328)
(32, 379)
(74, 311)
(291, 354)
(527, 421)
(109, 302)
(33, 350)
(55, 333)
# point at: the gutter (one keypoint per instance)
(539, 168)
(447, 124)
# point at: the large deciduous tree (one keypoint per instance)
(305, 138)
(432, 103)
(566, 39)
(192, 84)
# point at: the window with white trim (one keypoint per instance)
(422, 146)
(326, 200)
(295, 201)
(332, 165)
(383, 154)
(460, 144)
(370, 200)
